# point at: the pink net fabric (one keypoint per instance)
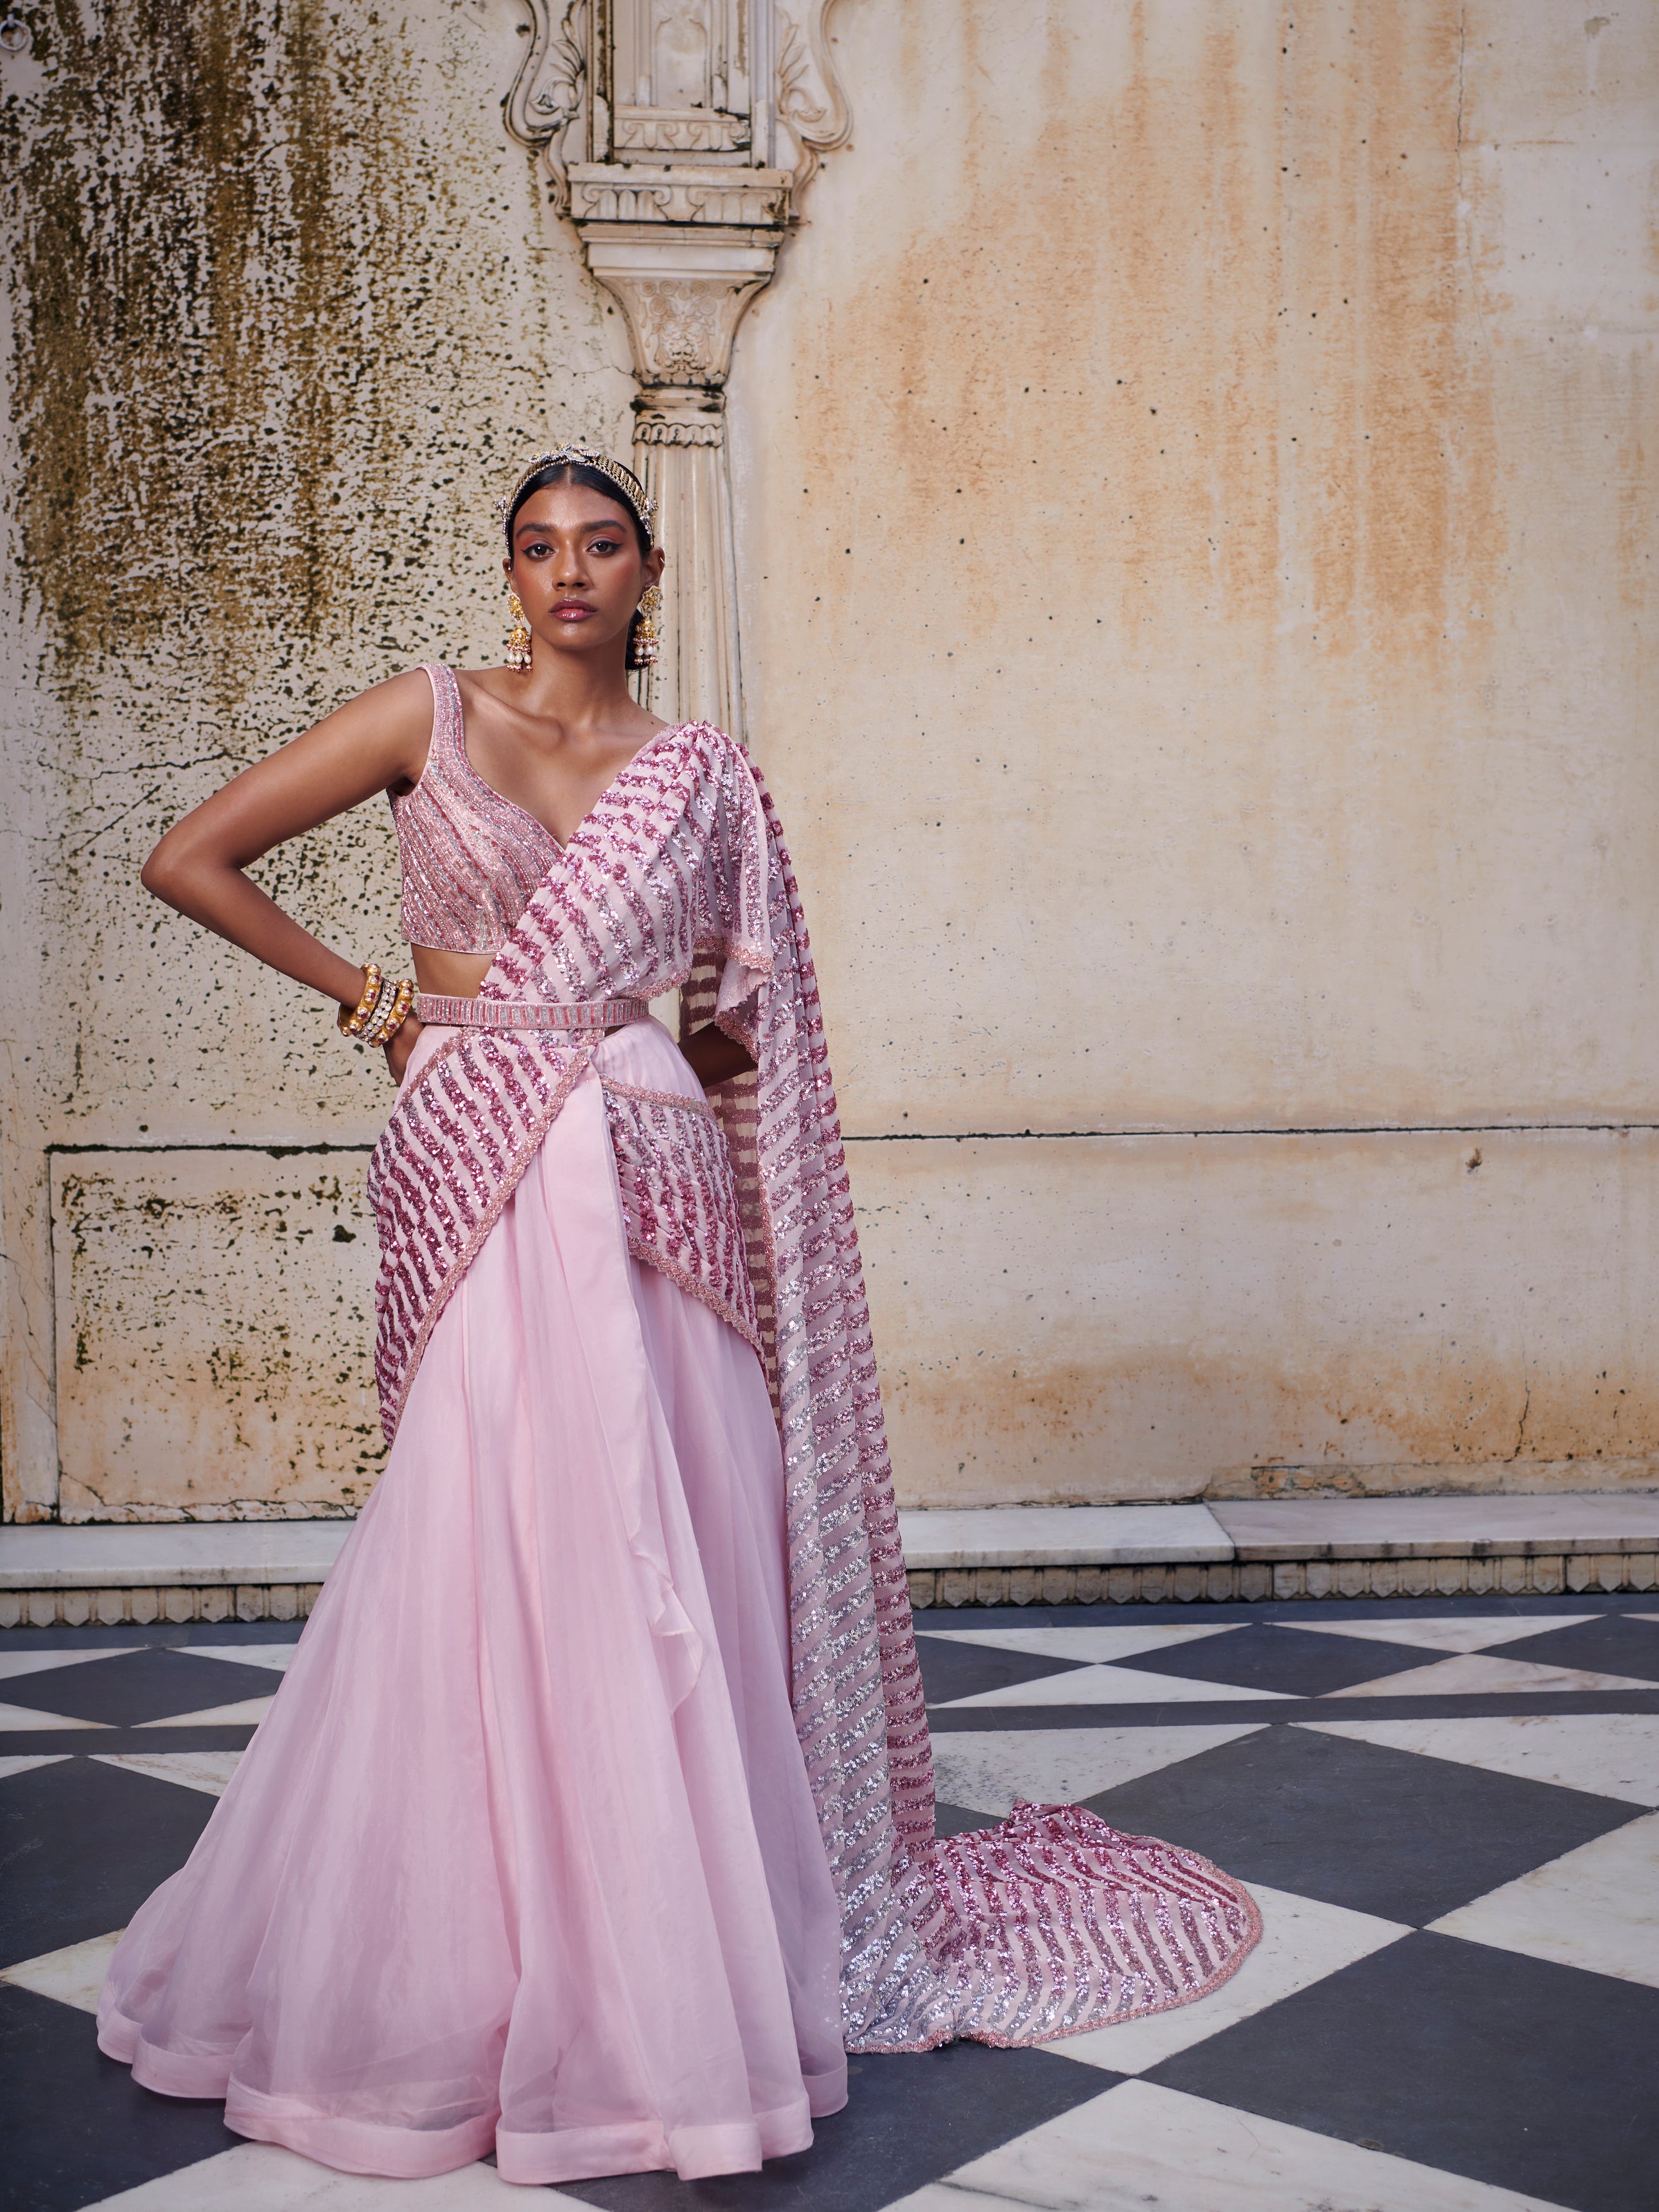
(433, 1910)
(523, 1859)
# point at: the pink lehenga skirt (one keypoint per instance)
(523, 1857)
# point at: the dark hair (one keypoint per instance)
(578, 472)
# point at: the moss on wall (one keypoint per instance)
(285, 306)
(237, 229)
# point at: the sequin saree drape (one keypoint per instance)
(1048, 1925)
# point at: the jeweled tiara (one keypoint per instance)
(624, 479)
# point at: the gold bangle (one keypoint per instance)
(393, 1014)
(383, 999)
(353, 1023)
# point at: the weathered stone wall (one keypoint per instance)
(1199, 515)
(1196, 524)
(285, 304)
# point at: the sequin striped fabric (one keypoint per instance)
(1048, 1925)
(1027, 1931)
(678, 1199)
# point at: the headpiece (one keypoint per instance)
(624, 479)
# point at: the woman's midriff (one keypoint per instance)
(449, 975)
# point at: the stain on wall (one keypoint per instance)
(1204, 569)
(1266, 1316)
(284, 306)
(213, 1308)
(1198, 520)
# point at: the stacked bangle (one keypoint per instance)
(393, 1012)
(353, 1023)
(381, 1012)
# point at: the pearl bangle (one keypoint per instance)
(391, 1014)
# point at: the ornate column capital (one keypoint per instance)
(683, 291)
(677, 136)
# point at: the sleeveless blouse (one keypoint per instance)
(470, 858)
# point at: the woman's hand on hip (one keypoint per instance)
(402, 1045)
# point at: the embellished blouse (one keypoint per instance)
(470, 858)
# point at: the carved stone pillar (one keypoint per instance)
(678, 134)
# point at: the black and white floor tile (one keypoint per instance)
(1448, 1812)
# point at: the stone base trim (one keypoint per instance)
(143, 1607)
(1541, 1575)
(1231, 1583)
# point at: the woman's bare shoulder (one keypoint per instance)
(390, 724)
(403, 701)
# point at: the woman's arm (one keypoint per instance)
(374, 742)
(713, 1057)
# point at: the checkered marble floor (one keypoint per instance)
(1449, 1812)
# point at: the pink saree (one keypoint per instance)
(594, 1820)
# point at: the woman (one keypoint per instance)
(593, 1820)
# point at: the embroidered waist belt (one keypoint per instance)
(527, 1014)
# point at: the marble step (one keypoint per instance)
(1301, 1548)
(174, 1570)
(1019, 1554)
(1281, 1528)
(158, 1554)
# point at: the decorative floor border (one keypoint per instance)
(1231, 1583)
(1541, 1575)
(144, 1606)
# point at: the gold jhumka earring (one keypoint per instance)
(517, 640)
(643, 646)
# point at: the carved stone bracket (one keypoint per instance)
(683, 296)
(677, 136)
(546, 98)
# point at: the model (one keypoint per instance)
(593, 1822)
